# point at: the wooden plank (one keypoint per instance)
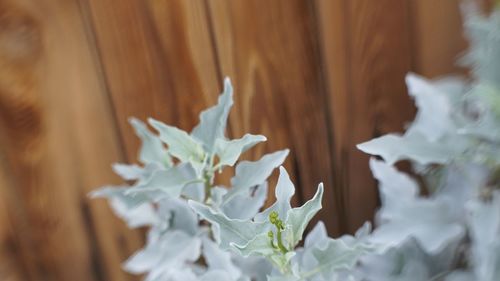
(157, 60)
(12, 265)
(437, 36)
(27, 144)
(61, 141)
(366, 56)
(271, 55)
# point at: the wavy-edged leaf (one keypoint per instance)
(228, 231)
(298, 218)
(229, 151)
(152, 150)
(180, 144)
(246, 205)
(284, 192)
(169, 182)
(254, 173)
(213, 120)
(393, 148)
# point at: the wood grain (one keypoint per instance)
(366, 56)
(315, 76)
(437, 37)
(57, 126)
(272, 59)
(12, 264)
(139, 67)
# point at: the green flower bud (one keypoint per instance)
(273, 217)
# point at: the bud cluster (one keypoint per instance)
(278, 223)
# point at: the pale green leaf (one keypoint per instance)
(180, 144)
(229, 151)
(336, 256)
(170, 182)
(254, 173)
(128, 172)
(433, 120)
(218, 259)
(152, 150)
(393, 148)
(284, 192)
(298, 218)
(228, 231)
(260, 245)
(213, 120)
(246, 205)
(120, 192)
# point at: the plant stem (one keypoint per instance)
(280, 242)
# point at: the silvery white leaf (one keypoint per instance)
(483, 55)
(317, 235)
(393, 183)
(257, 268)
(246, 205)
(120, 192)
(152, 150)
(196, 189)
(408, 262)
(332, 257)
(217, 196)
(361, 235)
(229, 151)
(283, 278)
(460, 276)
(433, 119)
(298, 218)
(216, 275)
(228, 231)
(259, 245)
(142, 215)
(284, 192)
(170, 182)
(180, 215)
(421, 219)
(249, 174)
(218, 259)
(177, 274)
(484, 221)
(128, 172)
(180, 144)
(213, 120)
(404, 215)
(393, 148)
(173, 250)
(460, 183)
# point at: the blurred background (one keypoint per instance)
(316, 76)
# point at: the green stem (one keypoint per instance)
(208, 186)
(280, 242)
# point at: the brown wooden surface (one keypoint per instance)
(315, 76)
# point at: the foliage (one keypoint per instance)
(447, 227)
(442, 222)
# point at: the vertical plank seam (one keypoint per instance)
(325, 89)
(96, 254)
(158, 49)
(31, 266)
(348, 39)
(215, 51)
(88, 24)
(412, 32)
(214, 47)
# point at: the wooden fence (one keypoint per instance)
(315, 76)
